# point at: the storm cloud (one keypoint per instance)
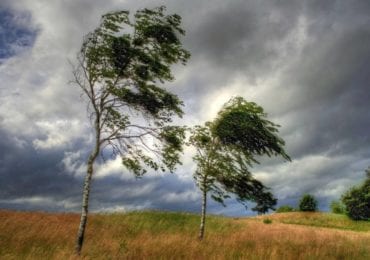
(305, 62)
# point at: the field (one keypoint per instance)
(167, 235)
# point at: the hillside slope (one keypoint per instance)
(318, 219)
(166, 235)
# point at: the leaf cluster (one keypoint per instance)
(122, 66)
(243, 126)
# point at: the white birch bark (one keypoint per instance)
(86, 190)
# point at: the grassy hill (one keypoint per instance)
(167, 235)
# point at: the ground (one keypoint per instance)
(169, 235)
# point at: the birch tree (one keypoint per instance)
(227, 147)
(120, 69)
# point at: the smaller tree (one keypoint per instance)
(226, 149)
(357, 200)
(308, 203)
(337, 207)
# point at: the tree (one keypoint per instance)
(337, 207)
(307, 203)
(120, 68)
(227, 147)
(357, 200)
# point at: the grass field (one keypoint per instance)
(167, 235)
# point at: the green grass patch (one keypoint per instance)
(327, 220)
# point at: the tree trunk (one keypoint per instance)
(203, 217)
(85, 206)
(86, 191)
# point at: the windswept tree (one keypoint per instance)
(225, 150)
(120, 69)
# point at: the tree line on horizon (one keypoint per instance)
(355, 202)
(121, 68)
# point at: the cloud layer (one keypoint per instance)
(305, 62)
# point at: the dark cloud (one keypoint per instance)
(26, 173)
(241, 38)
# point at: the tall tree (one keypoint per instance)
(121, 68)
(225, 150)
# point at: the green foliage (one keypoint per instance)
(211, 163)
(320, 219)
(224, 157)
(121, 67)
(264, 202)
(285, 208)
(337, 207)
(243, 126)
(267, 221)
(357, 200)
(173, 138)
(308, 203)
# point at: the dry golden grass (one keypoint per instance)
(158, 235)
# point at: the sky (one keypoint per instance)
(305, 62)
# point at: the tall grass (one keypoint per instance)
(161, 235)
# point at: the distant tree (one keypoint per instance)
(285, 208)
(357, 200)
(120, 68)
(227, 147)
(308, 203)
(337, 207)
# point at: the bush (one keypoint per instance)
(285, 208)
(267, 221)
(357, 200)
(337, 207)
(308, 203)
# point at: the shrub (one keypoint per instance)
(308, 203)
(267, 221)
(285, 208)
(337, 207)
(357, 200)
